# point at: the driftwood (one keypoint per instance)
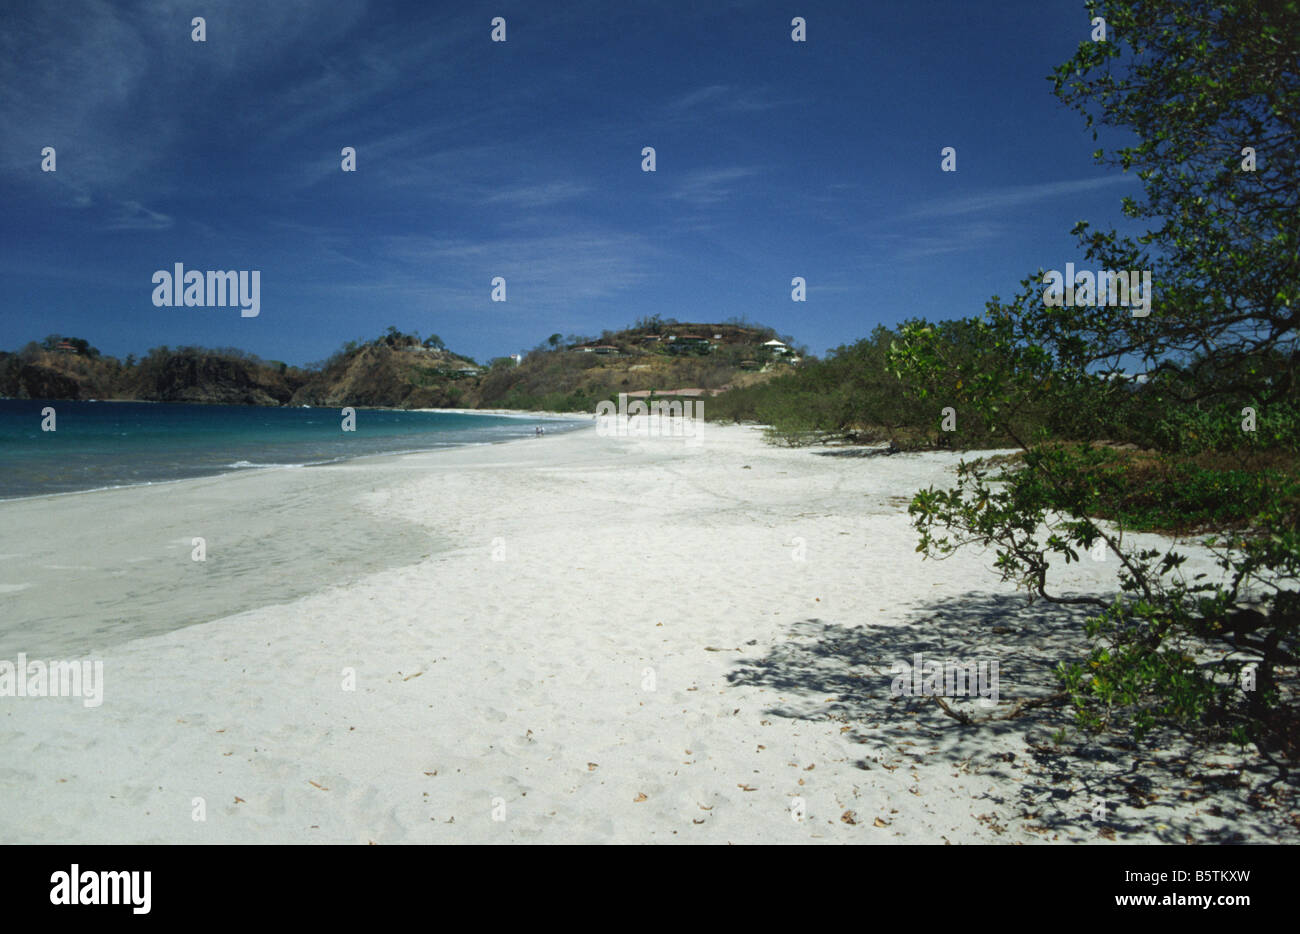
(1016, 710)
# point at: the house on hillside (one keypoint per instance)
(776, 346)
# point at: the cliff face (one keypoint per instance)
(46, 375)
(33, 381)
(213, 378)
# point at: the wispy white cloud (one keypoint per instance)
(132, 215)
(711, 186)
(889, 246)
(107, 212)
(117, 83)
(417, 158)
(421, 164)
(714, 98)
(1013, 197)
(542, 270)
(537, 196)
(356, 78)
(960, 238)
(116, 88)
(709, 94)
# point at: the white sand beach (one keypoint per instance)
(571, 639)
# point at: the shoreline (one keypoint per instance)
(231, 469)
(371, 408)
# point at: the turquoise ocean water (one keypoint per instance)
(108, 444)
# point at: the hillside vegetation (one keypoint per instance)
(401, 370)
(655, 355)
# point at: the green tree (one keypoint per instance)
(650, 323)
(1198, 84)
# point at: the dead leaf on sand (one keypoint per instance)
(849, 817)
(746, 788)
(881, 822)
(640, 797)
(591, 766)
(321, 787)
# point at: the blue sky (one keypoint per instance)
(522, 159)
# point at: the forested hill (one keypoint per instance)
(404, 371)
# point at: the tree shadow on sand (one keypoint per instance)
(883, 450)
(1164, 788)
